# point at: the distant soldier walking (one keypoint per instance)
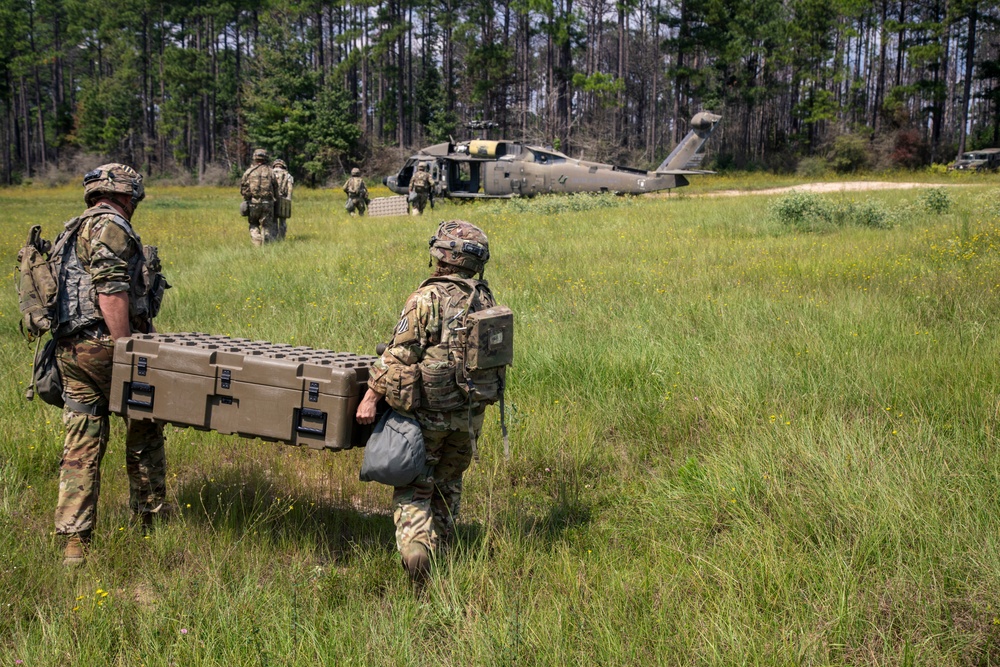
(105, 294)
(260, 191)
(283, 205)
(434, 347)
(421, 188)
(357, 193)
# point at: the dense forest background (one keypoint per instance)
(189, 88)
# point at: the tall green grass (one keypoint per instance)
(735, 441)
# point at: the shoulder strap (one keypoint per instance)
(470, 286)
(126, 227)
(249, 172)
(116, 217)
(467, 284)
(69, 231)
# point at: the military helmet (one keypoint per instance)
(260, 155)
(113, 178)
(355, 172)
(461, 243)
(279, 163)
(422, 166)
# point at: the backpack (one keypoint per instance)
(258, 182)
(38, 266)
(482, 351)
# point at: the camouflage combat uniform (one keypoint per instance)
(108, 251)
(357, 195)
(285, 183)
(260, 190)
(425, 511)
(421, 185)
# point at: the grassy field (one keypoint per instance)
(734, 442)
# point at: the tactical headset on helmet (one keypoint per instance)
(461, 243)
(113, 178)
(260, 155)
(280, 163)
(355, 172)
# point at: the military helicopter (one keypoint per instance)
(501, 169)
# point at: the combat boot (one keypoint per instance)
(417, 562)
(75, 552)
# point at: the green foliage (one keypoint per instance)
(868, 213)
(605, 87)
(812, 167)
(288, 112)
(185, 81)
(333, 137)
(107, 116)
(432, 105)
(801, 209)
(818, 106)
(810, 212)
(935, 200)
(849, 153)
(555, 204)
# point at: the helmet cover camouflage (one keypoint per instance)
(113, 178)
(279, 163)
(260, 155)
(461, 243)
(355, 172)
(422, 166)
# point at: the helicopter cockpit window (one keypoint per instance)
(548, 158)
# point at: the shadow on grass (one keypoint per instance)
(299, 237)
(244, 503)
(568, 507)
(566, 513)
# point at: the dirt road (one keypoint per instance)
(847, 186)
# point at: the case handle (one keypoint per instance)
(133, 388)
(313, 415)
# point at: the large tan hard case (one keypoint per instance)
(386, 206)
(296, 395)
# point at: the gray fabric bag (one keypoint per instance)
(395, 453)
(46, 380)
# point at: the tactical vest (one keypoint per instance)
(258, 182)
(284, 181)
(422, 182)
(468, 365)
(78, 306)
(354, 186)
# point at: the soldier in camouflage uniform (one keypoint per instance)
(285, 183)
(421, 188)
(260, 191)
(425, 511)
(357, 193)
(103, 296)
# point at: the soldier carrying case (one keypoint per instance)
(277, 392)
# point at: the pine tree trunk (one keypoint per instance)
(970, 46)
